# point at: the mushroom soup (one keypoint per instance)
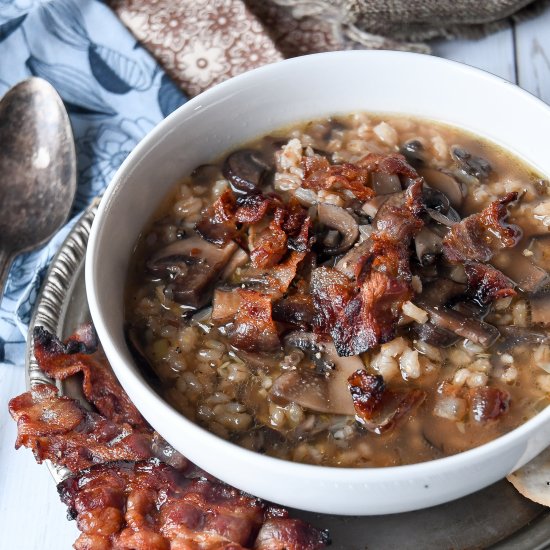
(358, 291)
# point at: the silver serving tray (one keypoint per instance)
(496, 517)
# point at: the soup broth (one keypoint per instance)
(359, 291)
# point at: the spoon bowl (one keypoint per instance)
(37, 168)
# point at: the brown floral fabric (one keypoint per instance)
(203, 42)
(199, 42)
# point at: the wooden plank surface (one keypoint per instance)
(532, 40)
(493, 53)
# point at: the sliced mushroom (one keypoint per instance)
(441, 292)
(306, 197)
(472, 309)
(516, 336)
(477, 331)
(205, 174)
(348, 263)
(385, 184)
(446, 184)
(245, 169)
(527, 276)
(313, 347)
(435, 336)
(191, 267)
(436, 200)
(477, 167)
(413, 150)
(202, 318)
(337, 218)
(427, 245)
(448, 220)
(540, 308)
(370, 208)
(325, 393)
(238, 259)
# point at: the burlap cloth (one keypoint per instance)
(203, 42)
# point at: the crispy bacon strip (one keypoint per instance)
(479, 236)
(366, 391)
(331, 291)
(488, 403)
(100, 386)
(377, 408)
(359, 320)
(149, 506)
(141, 503)
(254, 328)
(253, 208)
(394, 163)
(485, 403)
(271, 243)
(289, 534)
(486, 283)
(283, 274)
(217, 224)
(58, 429)
(370, 317)
(319, 174)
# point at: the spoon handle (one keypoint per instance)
(6, 258)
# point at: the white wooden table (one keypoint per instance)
(31, 515)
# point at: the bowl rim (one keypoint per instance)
(353, 475)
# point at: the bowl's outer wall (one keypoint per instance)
(247, 107)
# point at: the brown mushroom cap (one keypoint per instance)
(324, 393)
(337, 218)
(191, 267)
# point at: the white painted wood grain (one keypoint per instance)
(493, 53)
(31, 515)
(533, 55)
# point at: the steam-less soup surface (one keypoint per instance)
(359, 291)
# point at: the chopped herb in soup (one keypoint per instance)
(359, 291)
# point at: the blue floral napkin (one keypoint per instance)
(114, 92)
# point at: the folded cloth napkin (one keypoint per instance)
(114, 92)
(203, 42)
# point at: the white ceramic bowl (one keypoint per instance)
(252, 105)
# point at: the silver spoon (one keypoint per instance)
(37, 169)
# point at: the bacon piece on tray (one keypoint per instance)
(100, 386)
(59, 429)
(479, 236)
(122, 495)
(149, 505)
